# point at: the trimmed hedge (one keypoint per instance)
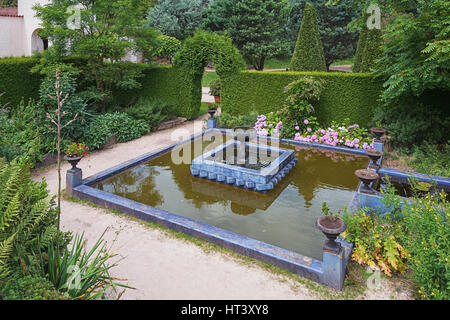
(16, 80)
(346, 95)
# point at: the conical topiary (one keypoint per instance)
(359, 50)
(372, 50)
(308, 53)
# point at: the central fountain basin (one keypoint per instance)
(251, 166)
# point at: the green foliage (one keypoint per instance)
(8, 4)
(377, 240)
(428, 244)
(372, 50)
(104, 126)
(177, 18)
(27, 219)
(308, 54)
(167, 47)
(229, 120)
(16, 80)
(19, 135)
(110, 30)
(81, 274)
(416, 50)
(414, 235)
(359, 50)
(413, 121)
(339, 42)
(190, 62)
(429, 159)
(256, 27)
(344, 95)
(29, 288)
(152, 111)
(214, 87)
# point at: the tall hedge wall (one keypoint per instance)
(161, 82)
(16, 80)
(346, 95)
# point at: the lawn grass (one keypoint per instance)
(208, 77)
(277, 63)
(203, 109)
(344, 62)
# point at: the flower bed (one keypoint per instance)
(343, 134)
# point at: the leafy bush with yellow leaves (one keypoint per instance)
(415, 236)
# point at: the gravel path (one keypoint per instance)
(160, 266)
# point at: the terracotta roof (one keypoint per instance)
(9, 12)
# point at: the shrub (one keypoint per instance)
(412, 122)
(152, 111)
(27, 219)
(29, 288)
(416, 233)
(345, 95)
(228, 120)
(372, 50)
(92, 266)
(308, 54)
(430, 159)
(167, 47)
(428, 244)
(16, 80)
(104, 126)
(214, 87)
(359, 50)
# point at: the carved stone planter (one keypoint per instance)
(331, 228)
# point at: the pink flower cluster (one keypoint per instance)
(264, 127)
(332, 137)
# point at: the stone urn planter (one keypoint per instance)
(331, 228)
(374, 156)
(73, 161)
(378, 132)
(367, 177)
(212, 112)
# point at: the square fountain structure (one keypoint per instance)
(264, 179)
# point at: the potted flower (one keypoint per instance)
(214, 90)
(332, 226)
(75, 152)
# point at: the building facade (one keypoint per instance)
(19, 30)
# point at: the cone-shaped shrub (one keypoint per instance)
(308, 54)
(359, 50)
(372, 50)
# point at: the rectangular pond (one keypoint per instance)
(283, 217)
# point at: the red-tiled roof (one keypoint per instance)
(9, 12)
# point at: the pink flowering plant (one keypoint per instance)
(352, 136)
(269, 125)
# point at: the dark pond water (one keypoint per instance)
(284, 217)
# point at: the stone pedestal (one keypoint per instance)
(73, 179)
(212, 123)
(335, 264)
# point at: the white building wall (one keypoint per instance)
(11, 37)
(30, 22)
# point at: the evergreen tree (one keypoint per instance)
(372, 50)
(308, 54)
(177, 18)
(359, 50)
(255, 26)
(339, 41)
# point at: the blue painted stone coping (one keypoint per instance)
(330, 272)
(256, 180)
